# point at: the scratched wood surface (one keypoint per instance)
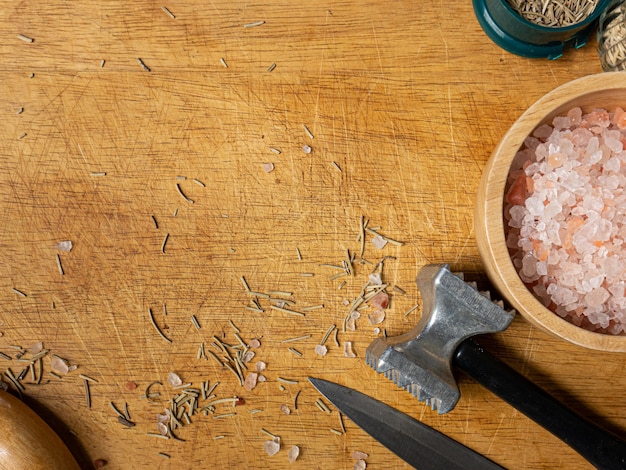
(405, 101)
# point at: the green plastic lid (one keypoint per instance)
(511, 32)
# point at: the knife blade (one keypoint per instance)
(416, 443)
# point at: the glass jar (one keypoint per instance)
(612, 37)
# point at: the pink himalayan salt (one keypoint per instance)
(293, 454)
(376, 317)
(347, 349)
(60, 365)
(272, 447)
(380, 300)
(566, 216)
(251, 381)
(174, 379)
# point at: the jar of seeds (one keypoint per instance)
(539, 28)
(612, 37)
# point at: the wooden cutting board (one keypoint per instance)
(158, 175)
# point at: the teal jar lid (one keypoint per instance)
(509, 30)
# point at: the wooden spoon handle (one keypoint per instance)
(28, 442)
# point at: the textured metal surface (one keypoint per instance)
(420, 360)
(416, 443)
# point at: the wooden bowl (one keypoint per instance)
(606, 90)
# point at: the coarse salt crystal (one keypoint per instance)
(251, 381)
(272, 447)
(293, 454)
(379, 242)
(173, 379)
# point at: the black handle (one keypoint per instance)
(601, 448)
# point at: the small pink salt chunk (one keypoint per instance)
(375, 279)
(284, 409)
(260, 366)
(65, 245)
(248, 356)
(164, 417)
(597, 297)
(360, 465)
(575, 116)
(561, 122)
(162, 428)
(380, 300)
(272, 447)
(321, 350)
(379, 242)
(268, 167)
(619, 118)
(254, 343)
(174, 380)
(293, 454)
(35, 348)
(307, 149)
(517, 191)
(351, 323)
(556, 160)
(347, 349)
(60, 365)
(250, 381)
(358, 455)
(543, 131)
(377, 317)
(599, 117)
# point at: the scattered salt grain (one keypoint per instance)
(164, 417)
(284, 409)
(347, 349)
(379, 242)
(294, 453)
(351, 322)
(162, 428)
(380, 300)
(321, 350)
(65, 245)
(377, 317)
(268, 167)
(375, 279)
(260, 366)
(174, 380)
(60, 365)
(251, 381)
(272, 447)
(358, 455)
(307, 149)
(360, 465)
(254, 343)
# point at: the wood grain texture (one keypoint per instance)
(29, 442)
(407, 98)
